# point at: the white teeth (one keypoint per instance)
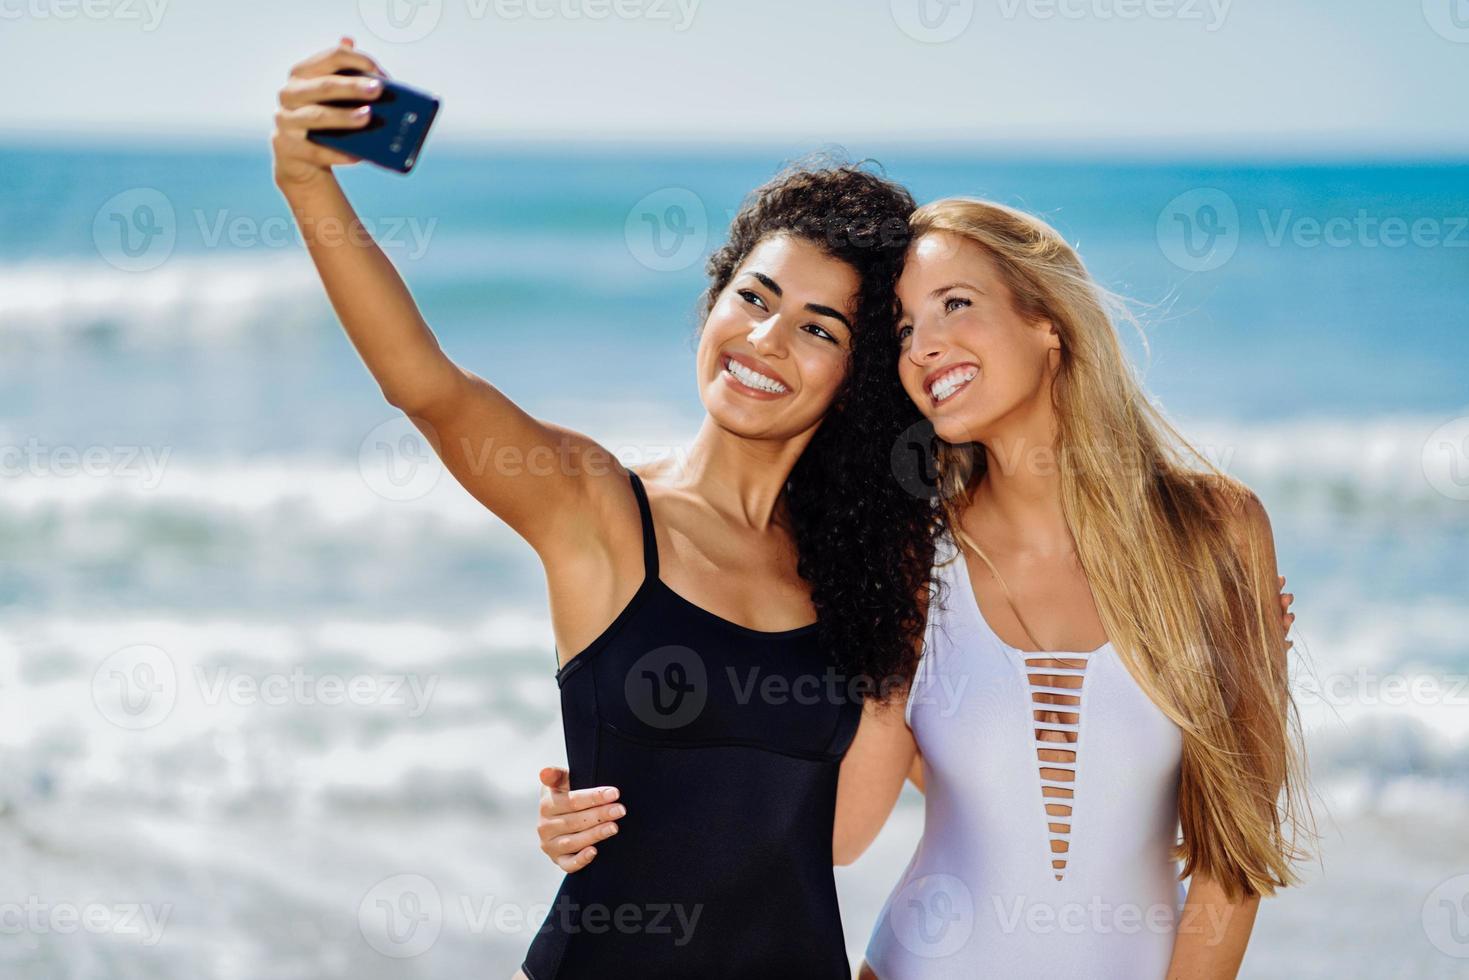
(952, 382)
(754, 379)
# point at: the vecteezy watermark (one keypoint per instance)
(398, 461)
(932, 915)
(666, 231)
(1200, 230)
(831, 686)
(1362, 230)
(674, 922)
(403, 916)
(932, 21)
(410, 235)
(400, 21)
(142, 463)
(1446, 459)
(1211, 14)
(565, 457)
(143, 923)
(1097, 916)
(917, 457)
(679, 14)
(1367, 687)
(914, 460)
(1449, 18)
(941, 690)
(135, 230)
(148, 13)
(667, 687)
(300, 687)
(405, 21)
(671, 922)
(1446, 917)
(135, 687)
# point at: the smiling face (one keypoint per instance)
(969, 360)
(774, 349)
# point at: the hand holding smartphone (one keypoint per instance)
(337, 108)
(394, 134)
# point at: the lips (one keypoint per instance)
(945, 383)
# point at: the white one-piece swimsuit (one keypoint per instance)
(980, 898)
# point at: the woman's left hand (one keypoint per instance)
(1287, 617)
(572, 821)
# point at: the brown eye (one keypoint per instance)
(752, 297)
(818, 331)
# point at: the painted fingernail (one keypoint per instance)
(618, 811)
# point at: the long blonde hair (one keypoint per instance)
(1174, 554)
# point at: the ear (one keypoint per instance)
(1050, 336)
(1050, 343)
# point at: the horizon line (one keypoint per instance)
(1187, 148)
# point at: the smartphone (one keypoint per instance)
(394, 135)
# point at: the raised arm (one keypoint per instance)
(549, 484)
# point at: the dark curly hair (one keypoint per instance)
(864, 540)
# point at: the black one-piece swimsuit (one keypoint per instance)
(725, 743)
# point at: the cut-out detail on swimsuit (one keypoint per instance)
(1056, 680)
(1056, 684)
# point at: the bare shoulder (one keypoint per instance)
(613, 505)
(604, 521)
(1240, 509)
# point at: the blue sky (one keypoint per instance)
(1373, 76)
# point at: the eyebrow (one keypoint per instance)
(953, 285)
(820, 310)
(816, 308)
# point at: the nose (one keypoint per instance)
(926, 344)
(768, 337)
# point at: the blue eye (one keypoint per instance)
(949, 303)
(905, 331)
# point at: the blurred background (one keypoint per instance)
(274, 690)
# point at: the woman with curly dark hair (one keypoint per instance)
(725, 620)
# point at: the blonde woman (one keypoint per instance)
(1101, 710)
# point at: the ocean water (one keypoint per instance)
(273, 685)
